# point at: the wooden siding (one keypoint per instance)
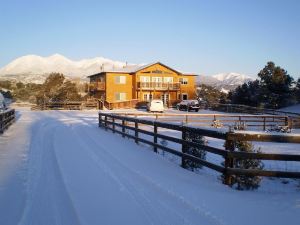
(112, 87)
(132, 90)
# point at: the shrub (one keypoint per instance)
(195, 151)
(243, 182)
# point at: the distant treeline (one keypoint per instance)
(274, 88)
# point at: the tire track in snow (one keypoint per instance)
(113, 166)
(47, 199)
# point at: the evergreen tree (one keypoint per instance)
(297, 91)
(244, 182)
(195, 151)
(210, 94)
(276, 86)
(56, 88)
(274, 89)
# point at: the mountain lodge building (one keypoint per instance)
(130, 85)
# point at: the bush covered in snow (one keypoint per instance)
(195, 151)
(243, 182)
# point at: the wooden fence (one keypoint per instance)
(235, 108)
(67, 105)
(120, 104)
(262, 122)
(7, 117)
(121, 124)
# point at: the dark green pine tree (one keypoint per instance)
(243, 182)
(275, 86)
(195, 151)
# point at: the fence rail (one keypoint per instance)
(121, 124)
(6, 119)
(262, 122)
(120, 104)
(235, 108)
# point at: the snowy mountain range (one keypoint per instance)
(224, 81)
(34, 68)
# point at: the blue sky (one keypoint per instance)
(204, 36)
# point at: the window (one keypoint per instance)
(144, 78)
(120, 79)
(183, 96)
(147, 97)
(157, 82)
(120, 96)
(157, 79)
(183, 80)
(168, 79)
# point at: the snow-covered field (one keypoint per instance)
(58, 167)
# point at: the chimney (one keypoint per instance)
(102, 67)
(126, 64)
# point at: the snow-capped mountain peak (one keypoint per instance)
(34, 68)
(232, 78)
(225, 81)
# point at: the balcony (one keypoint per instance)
(158, 86)
(97, 86)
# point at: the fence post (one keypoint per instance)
(186, 119)
(105, 122)
(123, 128)
(286, 121)
(100, 121)
(229, 146)
(136, 133)
(264, 123)
(1, 123)
(113, 125)
(183, 147)
(291, 123)
(155, 137)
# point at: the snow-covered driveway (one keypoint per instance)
(58, 167)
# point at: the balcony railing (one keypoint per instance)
(97, 86)
(159, 86)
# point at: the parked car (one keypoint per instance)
(189, 105)
(155, 105)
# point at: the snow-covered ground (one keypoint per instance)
(293, 109)
(58, 167)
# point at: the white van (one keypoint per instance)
(155, 105)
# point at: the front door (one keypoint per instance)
(165, 98)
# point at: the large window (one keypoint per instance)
(168, 79)
(144, 78)
(120, 79)
(183, 80)
(157, 79)
(119, 96)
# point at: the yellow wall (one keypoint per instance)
(130, 87)
(185, 88)
(112, 87)
(189, 88)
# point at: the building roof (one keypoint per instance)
(136, 68)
